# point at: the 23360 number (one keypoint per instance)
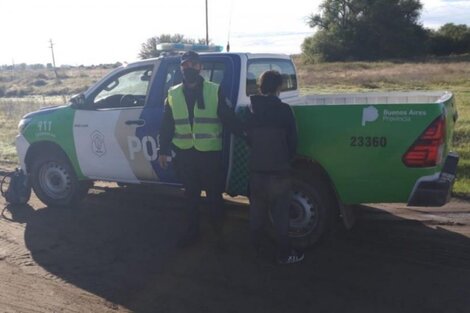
(368, 141)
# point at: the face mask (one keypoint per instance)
(190, 75)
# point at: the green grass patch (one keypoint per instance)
(8, 132)
(462, 142)
(11, 112)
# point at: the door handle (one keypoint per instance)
(135, 122)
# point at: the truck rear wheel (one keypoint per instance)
(54, 181)
(313, 211)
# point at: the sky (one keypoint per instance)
(108, 31)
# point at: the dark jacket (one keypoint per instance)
(194, 97)
(272, 134)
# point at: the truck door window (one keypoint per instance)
(211, 71)
(258, 66)
(125, 90)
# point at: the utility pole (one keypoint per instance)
(12, 68)
(207, 25)
(53, 59)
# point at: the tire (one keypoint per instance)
(313, 211)
(54, 181)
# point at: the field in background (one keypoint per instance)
(318, 78)
(23, 91)
(20, 83)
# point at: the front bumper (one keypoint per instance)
(436, 192)
(22, 146)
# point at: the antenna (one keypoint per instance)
(229, 26)
(207, 25)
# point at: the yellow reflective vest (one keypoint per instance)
(206, 132)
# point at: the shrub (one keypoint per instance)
(42, 76)
(11, 93)
(39, 82)
(18, 92)
(64, 75)
(58, 92)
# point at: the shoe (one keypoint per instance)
(294, 257)
(187, 239)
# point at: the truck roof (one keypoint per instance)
(246, 54)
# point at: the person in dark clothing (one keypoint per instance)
(272, 137)
(195, 113)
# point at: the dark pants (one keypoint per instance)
(202, 171)
(270, 193)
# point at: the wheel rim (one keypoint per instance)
(55, 181)
(303, 215)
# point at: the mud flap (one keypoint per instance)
(437, 192)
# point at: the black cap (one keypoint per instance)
(190, 56)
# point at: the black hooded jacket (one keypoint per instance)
(272, 134)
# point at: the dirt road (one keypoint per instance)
(116, 253)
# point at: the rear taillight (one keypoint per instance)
(427, 150)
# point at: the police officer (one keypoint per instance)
(195, 112)
(272, 137)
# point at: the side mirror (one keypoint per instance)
(77, 101)
(146, 76)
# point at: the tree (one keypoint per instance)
(449, 39)
(37, 66)
(365, 30)
(149, 48)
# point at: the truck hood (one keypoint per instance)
(45, 111)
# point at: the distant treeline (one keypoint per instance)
(370, 30)
(39, 66)
(449, 39)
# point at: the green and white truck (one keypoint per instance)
(353, 148)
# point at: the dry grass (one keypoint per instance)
(20, 83)
(11, 111)
(383, 75)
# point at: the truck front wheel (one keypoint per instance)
(54, 181)
(312, 211)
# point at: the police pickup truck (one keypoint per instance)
(353, 148)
